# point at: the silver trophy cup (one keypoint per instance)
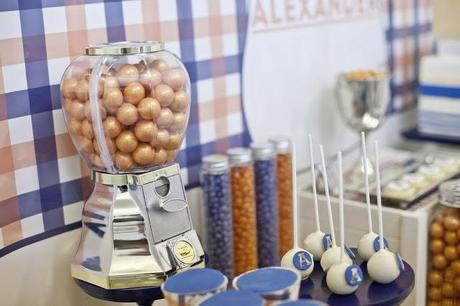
(363, 103)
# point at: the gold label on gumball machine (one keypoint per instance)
(184, 251)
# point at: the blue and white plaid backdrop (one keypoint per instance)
(42, 181)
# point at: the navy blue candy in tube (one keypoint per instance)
(218, 211)
(234, 298)
(266, 204)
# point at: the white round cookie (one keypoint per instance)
(399, 189)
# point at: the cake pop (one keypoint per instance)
(366, 244)
(332, 254)
(384, 266)
(313, 243)
(297, 258)
(343, 277)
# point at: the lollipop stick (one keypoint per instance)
(366, 181)
(328, 197)
(342, 221)
(313, 179)
(294, 196)
(379, 195)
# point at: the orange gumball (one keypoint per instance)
(74, 126)
(451, 238)
(145, 130)
(435, 294)
(161, 139)
(149, 108)
(68, 88)
(87, 129)
(165, 118)
(175, 78)
(435, 278)
(436, 230)
(126, 142)
(77, 110)
(127, 114)
(124, 161)
(449, 275)
(110, 82)
(439, 262)
(86, 144)
(164, 94)
(448, 290)
(450, 252)
(113, 98)
(160, 157)
(160, 65)
(455, 266)
(134, 92)
(150, 78)
(437, 246)
(112, 127)
(457, 284)
(127, 74)
(451, 223)
(82, 90)
(180, 102)
(144, 154)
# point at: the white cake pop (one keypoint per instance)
(332, 254)
(313, 243)
(297, 258)
(343, 277)
(366, 243)
(384, 266)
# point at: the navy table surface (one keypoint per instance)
(369, 293)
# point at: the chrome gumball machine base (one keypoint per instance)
(141, 296)
(136, 232)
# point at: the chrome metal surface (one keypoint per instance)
(363, 102)
(132, 234)
(124, 48)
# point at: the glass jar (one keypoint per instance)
(284, 182)
(263, 155)
(218, 211)
(243, 209)
(444, 248)
(126, 105)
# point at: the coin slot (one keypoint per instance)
(162, 186)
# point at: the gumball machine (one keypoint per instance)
(126, 107)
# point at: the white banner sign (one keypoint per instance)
(294, 51)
